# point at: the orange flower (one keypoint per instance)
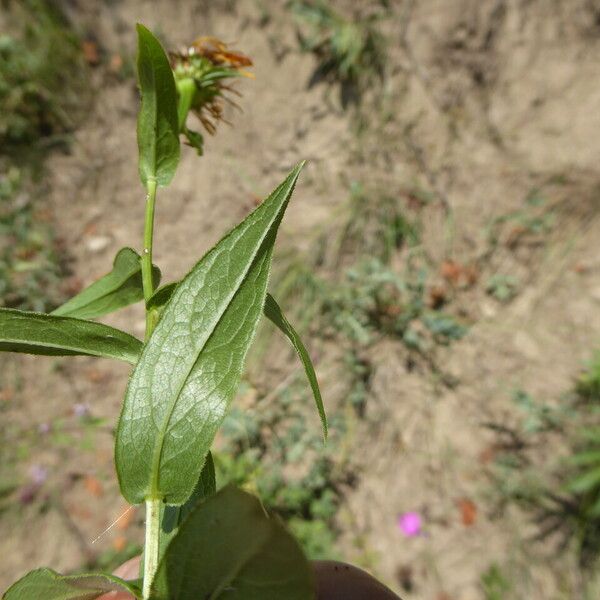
(217, 52)
(210, 64)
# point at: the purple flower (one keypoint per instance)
(44, 428)
(38, 474)
(80, 410)
(409, 524)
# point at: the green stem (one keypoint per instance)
(151, 544)
(186, 89)
(147, 282)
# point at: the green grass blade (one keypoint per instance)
(585, 482)
(37, 333)
(190, 367)
(117, 289)
(590, 457)
(273, 313)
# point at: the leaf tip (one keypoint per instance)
(141, 29)
(299, 166)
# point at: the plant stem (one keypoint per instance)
(147, 282)
(151, 544)
(186, 89)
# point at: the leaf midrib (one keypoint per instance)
(235, 571)
(159, 446)
(123, 351)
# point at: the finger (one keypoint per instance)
(340, 581)
(130, 569)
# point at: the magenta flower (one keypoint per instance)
(409, 523)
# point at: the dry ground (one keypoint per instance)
(486, 100)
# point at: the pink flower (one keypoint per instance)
(409, 523)
(81, 410)
(38, 474)
(44, 428)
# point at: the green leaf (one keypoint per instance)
(48, 585)
(37, 333)
(173, 516)
(195, 140)
(158, 131)
(273, 313)
(591, 457)
(186, 92)
(117, 289)
(190, 367)
(595, 509)
(586, 482)
(161, 296)
(228, 549)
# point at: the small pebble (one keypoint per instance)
(98, 243)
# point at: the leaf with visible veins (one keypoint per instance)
(190, 367)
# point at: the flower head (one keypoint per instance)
(410, 523)
(202, 71)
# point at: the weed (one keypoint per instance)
(502, 287)
(42, 81)
(30, 259)
(40, 70)
(495, 584)
(374, 224)
(350, 51)
(266, 451)
(563, 494)
(340, 294)
(587, 385)
(583, 482)
(533, 219)
(374, 300)
(539, 416)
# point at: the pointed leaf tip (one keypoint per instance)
(274, 313)
(190, 367)
(158, 125)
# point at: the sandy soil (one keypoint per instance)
(488, 100)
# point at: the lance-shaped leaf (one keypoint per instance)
(117, 289)
(274, 314)
(158, 130)
(190, 367)
(37, 333)
(173, 516)
(228, 549)
(49, 585)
